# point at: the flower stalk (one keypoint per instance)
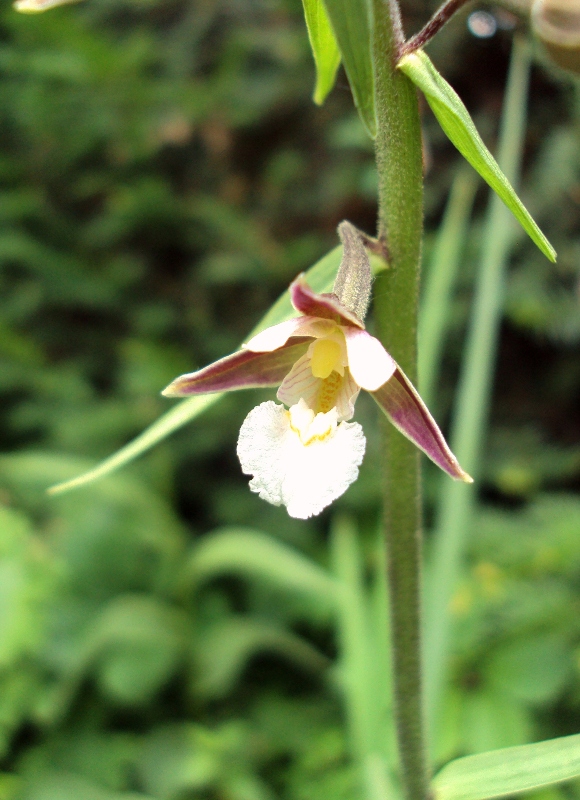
(399, 164)
(440, 18)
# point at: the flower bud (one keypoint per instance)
(557, 24)
(354, 279)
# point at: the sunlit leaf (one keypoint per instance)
(458, 125)
(510, 770)
(324, 48)
(178, 758)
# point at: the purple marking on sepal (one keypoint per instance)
(241, 370)
(400, 401)
(327, 306)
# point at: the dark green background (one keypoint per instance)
(163, 176)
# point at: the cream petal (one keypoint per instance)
(346, 397)
(304, 478)
(300, 383)
(369, 363)
(319, 328)
(277, 335)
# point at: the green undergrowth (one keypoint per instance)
(163, 633)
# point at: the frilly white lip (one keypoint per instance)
(299, 459)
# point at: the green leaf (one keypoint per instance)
(320, 277)
(138, 641)
(350, 21)
(490, 720)
(532, 668)
(458, 125)
(174, 419)
(510, 770)
(179, 758)
(324, 48)
(224, 648)
(242, 551)
(57, 785)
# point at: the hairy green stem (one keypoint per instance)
(399, 164)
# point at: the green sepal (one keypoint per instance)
(324, 48)
(458, 126)
(510, 770)
(350, 20)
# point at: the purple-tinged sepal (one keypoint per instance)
(324, 306)
(242, 370)
(402, 404)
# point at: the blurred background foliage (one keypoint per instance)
(164, 633)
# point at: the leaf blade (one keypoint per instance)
(510, 770)
(253, 554)
(324, 48)
(459, 128)
(320, 276)
(352, 29)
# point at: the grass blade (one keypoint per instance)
(324, 48)
(439, 285)
(456, 501)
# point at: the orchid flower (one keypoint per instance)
(305, 453)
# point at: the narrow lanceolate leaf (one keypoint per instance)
(175, 418)
(324, 48)
(320, 277)
(350, 20)
(401, 403)
(458, 125)
(510, 770)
